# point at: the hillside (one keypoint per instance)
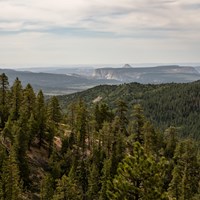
(101, 151)
(164, 104)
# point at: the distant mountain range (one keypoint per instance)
(159, 74)
(55, 84)
(57, 81)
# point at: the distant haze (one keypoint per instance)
(48, 33)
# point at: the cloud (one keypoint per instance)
(119, 17)
(99, 31)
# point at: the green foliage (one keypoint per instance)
(53, 110)
(67, 189)
(185, 175)
(102, 114)
(17, 98)
(47, 188)
(10, 185)
(171, 139)
(110, 149)
(20, 146)
(93, 183)
(106, 176)
(3, 99)
(164, 105)
(136, 126)
(28, 101)
(32, 128)
(40, 116)
(80, 124)
(138, 177)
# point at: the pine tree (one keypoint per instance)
(71, 116)
(106, 176)
(67, 189)
(138, 177)
(28, 101)
(8, 130)
(106, 138)
(47, 187)
(137, 124)
(4, 84)
(16, 101)
(20, 147)
(121, 113)
(151, 139)
(53, 110)
(186, 173)
(50, 133)
(81, 121)
(11, 187)
(40, 117)
(32, 129)
(102, 114)
(118, 145)
(171, 139)
(93, 183)
(82, 176)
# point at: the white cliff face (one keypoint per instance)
(117, 74)
(198, 69)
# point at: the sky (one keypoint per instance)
(68, 32)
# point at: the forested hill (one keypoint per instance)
(164, 105)
(98, 152)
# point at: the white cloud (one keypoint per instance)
(35, 31)
(116, 16)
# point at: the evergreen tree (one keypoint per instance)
(28, 101)
(8, 130)
(186, 173)
(11, 187)
(171, 139)
(50, 133)
(137, 125)
(16, 101)
(40, 116)
(20, 147)
(53, 110)
(104, 179)
(81, 121)
(82, 174)
(102, 114)
(71, 116)
(152, 143)
(106, 138)
(138, 177)
(4, 84)
(121, 113)
(118, 145)
(67, 189)
(93, 183)
(32, 128)
(47, 188)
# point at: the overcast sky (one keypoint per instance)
(63, 32)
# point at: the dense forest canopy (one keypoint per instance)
(106, 150)
(172, 104)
